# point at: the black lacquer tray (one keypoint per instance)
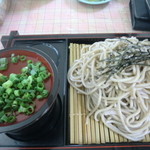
(57, 134)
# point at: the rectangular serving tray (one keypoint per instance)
(14, 38)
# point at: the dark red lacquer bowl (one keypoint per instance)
(25, 124)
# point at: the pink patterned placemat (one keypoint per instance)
(66, 17)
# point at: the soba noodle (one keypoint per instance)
(121, 101)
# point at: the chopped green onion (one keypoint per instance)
(39, 96)
(3, 63)
(22, 57)
(14, 59)
(29, 61)
(3, 66)
(3, 60)
(7, 84)
(9, 91)
(3, 78)
(13, 77)
(18, 91)
(5, 95)
(45, 93)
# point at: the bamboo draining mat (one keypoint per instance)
(95, 132)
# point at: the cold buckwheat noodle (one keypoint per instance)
(115, 77)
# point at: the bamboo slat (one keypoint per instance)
(71, 103)
(94, 132)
